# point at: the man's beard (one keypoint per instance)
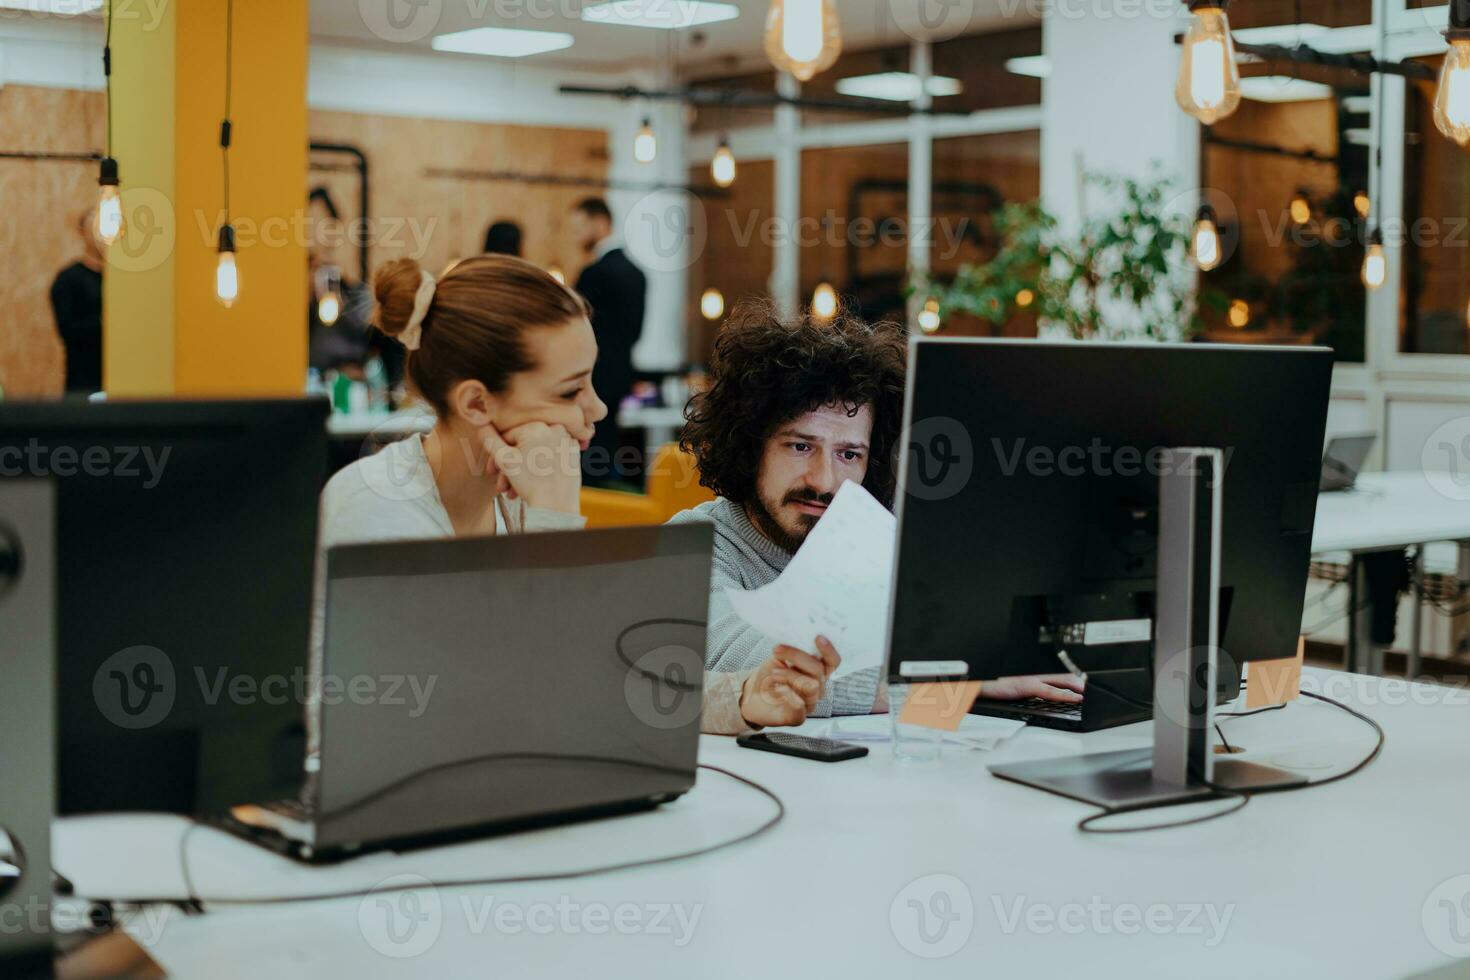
(764, 518)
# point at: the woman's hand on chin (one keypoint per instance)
(539, 463)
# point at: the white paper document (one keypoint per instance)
(977, 732)
(837, 585)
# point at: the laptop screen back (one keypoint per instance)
(484, 680)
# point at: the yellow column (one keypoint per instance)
(164, 332)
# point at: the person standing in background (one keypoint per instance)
(76, 302)
(503, 238)
(616, 289)
(350, 341)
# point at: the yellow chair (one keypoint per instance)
(614, 508)
(673, 485)
(673, 481)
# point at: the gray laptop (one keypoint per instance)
(1343, 460)
(488, 684)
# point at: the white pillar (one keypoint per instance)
(1108, 105)
(785, 282)
(921, 174)
(662, 230)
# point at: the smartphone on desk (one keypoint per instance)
(802, 746)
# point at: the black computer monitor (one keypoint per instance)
(1028, 502)
(185, 536)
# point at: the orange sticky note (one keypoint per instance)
(1275, 681)
(939, 704)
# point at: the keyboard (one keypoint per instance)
(1058, 709)
(291, 809)
(1034, 711)
(291, 819)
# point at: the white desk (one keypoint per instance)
(1387, 511)
(1341, 881)
(387, 425)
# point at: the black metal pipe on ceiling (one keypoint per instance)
(43, 156)
(1250, 146)
(1366, 64)
(557, 180)
(743, 99)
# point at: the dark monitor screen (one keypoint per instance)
(1028, 509)
(185, 542)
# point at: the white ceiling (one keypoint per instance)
(411, 24)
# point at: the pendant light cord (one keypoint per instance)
(225, 125)
(107, 74)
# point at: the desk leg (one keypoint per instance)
(1350, 651)
(1367, 656)
(1416, 628)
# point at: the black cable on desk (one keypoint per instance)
(1086, 824)
(200, 900)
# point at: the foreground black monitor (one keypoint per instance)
(1028, 504)
(184, 547)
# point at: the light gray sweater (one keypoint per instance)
(747, 559)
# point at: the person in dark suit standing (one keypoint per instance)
(76, 302)
(616, 289)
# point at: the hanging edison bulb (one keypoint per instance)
(329, 308)
(329, 289)
(803, 37)
(929, 316)
(1240, 314)
(1025, 298)
(645, 144)
(555, 271)
(722, 167)
(824, 302)
(1375, 262)
(1209, 81)
(1205, 244)
(226, 275)
(712, 304)
(1301, 208)
(1362, 203)
(109, 218)
(1452, 100)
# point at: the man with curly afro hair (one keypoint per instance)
(795, 407)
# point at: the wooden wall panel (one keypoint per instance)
(438, 219)
(738, 253)
(1261, 186)
(1436, 280)
(435, 219)
(1006, 163)
(40, 202)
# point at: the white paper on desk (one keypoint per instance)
(980, 732)
(837, 585)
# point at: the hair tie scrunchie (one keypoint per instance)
(413, 333)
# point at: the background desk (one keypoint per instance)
(1341, 881)
(1387, 511)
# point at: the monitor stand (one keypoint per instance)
(1181, 766)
